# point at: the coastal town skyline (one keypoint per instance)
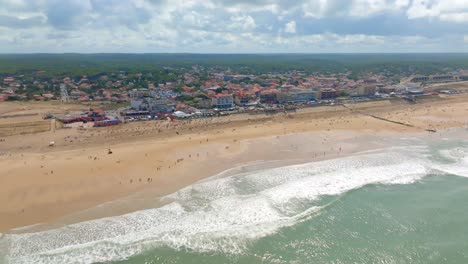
(195, 82)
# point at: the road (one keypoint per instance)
(64, 93)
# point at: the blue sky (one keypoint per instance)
(243, 26)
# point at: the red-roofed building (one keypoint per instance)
(243, 98)
(269, 96)
(8, 79)
(211, 93)
(256, 90)
(48, 96)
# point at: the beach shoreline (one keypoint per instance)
(46, 186)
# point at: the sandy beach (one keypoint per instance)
(42, 184)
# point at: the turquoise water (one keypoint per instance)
(426, 222)
(406, 204)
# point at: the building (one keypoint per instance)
(152, 105)
(296, 97)
(269, 96)
(420, 79)
(367, 90)
(96, 113)
(206, 103)
(327, 93)
(223, 101)
(149, 100)
(8, 79)
(140, 93)
(387, 90)
(442, 78)
(244, 99)
(437, 78)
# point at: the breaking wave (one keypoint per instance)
(226, 214)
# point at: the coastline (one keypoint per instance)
(66, 180)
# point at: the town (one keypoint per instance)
(208, 91)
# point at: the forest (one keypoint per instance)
(71, 64)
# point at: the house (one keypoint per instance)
(8, 79)
(223, 101)
(48, 95)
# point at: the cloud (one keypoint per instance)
(19, 22)
(242, 22)
(232, 25)
(455, 17)
(290, 27)
(66, 14)
(320, 9)
(351, 8)
(125, 13)
(445, 10)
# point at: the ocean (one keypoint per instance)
(405, 203)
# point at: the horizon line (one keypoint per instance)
(240, 53)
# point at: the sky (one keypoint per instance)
(229, 26)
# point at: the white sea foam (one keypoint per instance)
(459, 161)
(222, 214)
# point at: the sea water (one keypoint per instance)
(403, 204)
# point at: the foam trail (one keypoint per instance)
(223, 214)
(458, 158)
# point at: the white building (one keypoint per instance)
(152, 105)
(223, 101)
(147, 100)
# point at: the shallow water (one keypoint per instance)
(405, 204)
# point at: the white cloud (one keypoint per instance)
(229, 25)
(290, 27)
(351, 8)
(445, 10)
(242, 22)
(316, 8)
(455, 17)
(364, 8)
(358, 38)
